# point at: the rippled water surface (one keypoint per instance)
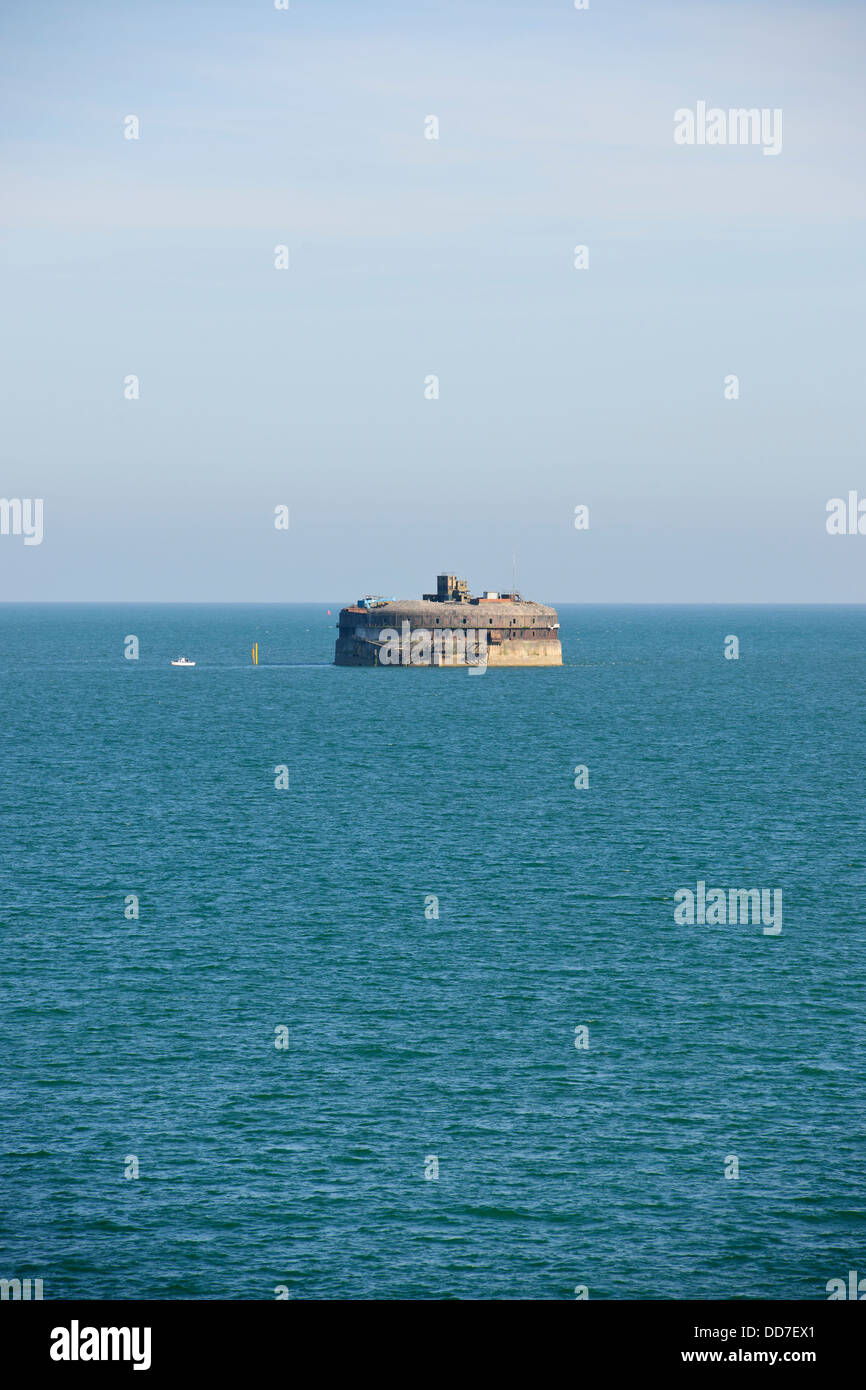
(411, 1036)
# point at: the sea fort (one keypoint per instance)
(448, 628)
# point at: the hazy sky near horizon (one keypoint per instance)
(408, 257)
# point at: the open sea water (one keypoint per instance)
(413, 1037)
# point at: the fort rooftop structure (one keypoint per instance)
(503, 630)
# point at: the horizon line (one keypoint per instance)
(306, 603)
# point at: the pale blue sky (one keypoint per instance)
(408, 257)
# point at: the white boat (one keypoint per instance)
(183, 661)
